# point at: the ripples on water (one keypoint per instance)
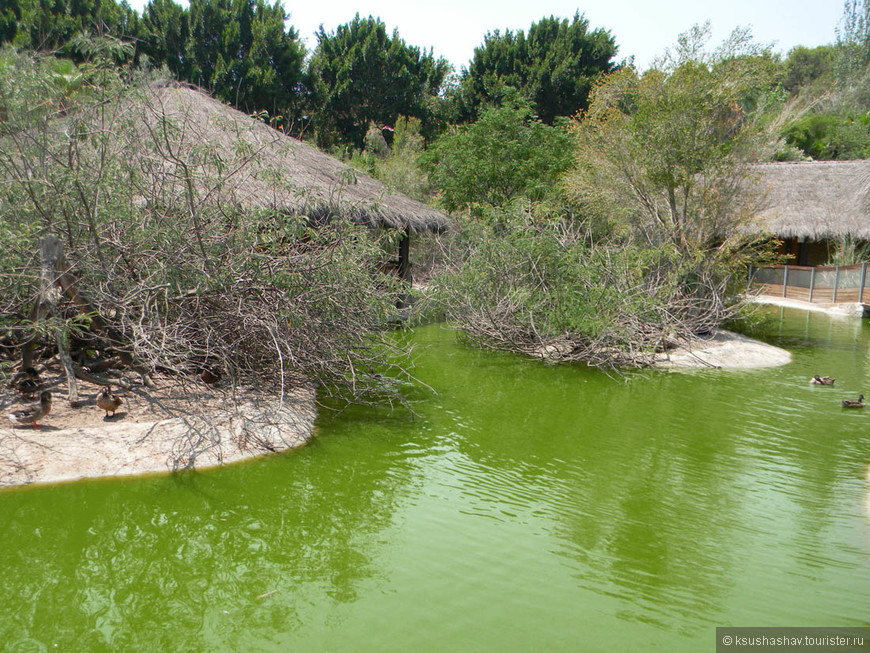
(526, 507)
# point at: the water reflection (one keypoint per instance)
(626, 507)
(674, 478)
(183, 558)
(613, 512)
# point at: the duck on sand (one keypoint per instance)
(174, 427)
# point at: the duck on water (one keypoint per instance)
(848, 403)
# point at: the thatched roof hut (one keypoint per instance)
(814, 200)
(278, 171)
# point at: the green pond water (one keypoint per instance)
(526, 507)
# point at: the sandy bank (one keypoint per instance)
(726, 350)
(169, 429)
(837, 310)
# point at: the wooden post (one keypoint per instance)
(785, 282)
(405, 257)
(812, 283)
(51, 252)
(836, 283)
(27, 353)
(405, 268)
(863, 278)
(46, 301)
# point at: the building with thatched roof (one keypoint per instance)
(274, 171)
(810, 204)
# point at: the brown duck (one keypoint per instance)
(848, 403)
(28, 383)
(822, 380)
(109, 402)
(210, 376)
(31, 415)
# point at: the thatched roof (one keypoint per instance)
(815, 199)
(279, 172)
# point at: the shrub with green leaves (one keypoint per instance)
(831, 135)
(183, 274)
(507, 154)
(540, 287)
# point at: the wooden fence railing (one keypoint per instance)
(839, 284)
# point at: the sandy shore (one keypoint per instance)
(724, 350)
(167, 429)
(837, 310)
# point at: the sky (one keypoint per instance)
(642, 28)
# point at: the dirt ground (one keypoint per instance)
(177, 425)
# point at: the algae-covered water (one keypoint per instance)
(525, 507)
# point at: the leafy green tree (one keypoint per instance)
(165, 36)
(662, 161)
(45, 26)
(663, 151)
(360, 74)
(505, 155)
(805, 67)
(50, 24)
(242, 51)
(554, 66)
(828, 119)
(853, 41)
(10, 15)
(655, 255)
